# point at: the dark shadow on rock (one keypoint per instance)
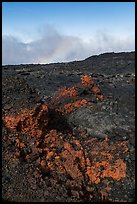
(58, 121)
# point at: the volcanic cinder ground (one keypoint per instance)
(68, 131)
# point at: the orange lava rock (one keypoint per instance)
(116, 171)
(70, 165)
(51, 166)
(87, 81)
(64, 92)
(43, 163)
(95, 90)
(57, 157)
(101, 97)
(104, 154)
(17, 141)
(93, 174)
(88, 162)
(11, 122)
(77, 143)
(49, 155)
(77, 104)
(29, 121)
(22, 145)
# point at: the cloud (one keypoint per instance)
(53, 46)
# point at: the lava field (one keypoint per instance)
(68, 130)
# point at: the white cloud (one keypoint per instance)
(54, 46)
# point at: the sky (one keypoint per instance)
(50, 32)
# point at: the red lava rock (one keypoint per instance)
(100, 97)
(95, 90)
(43, 163)
(64, 92)
(28, 122)
(87, 81)
(77, 104)
(22, 145)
